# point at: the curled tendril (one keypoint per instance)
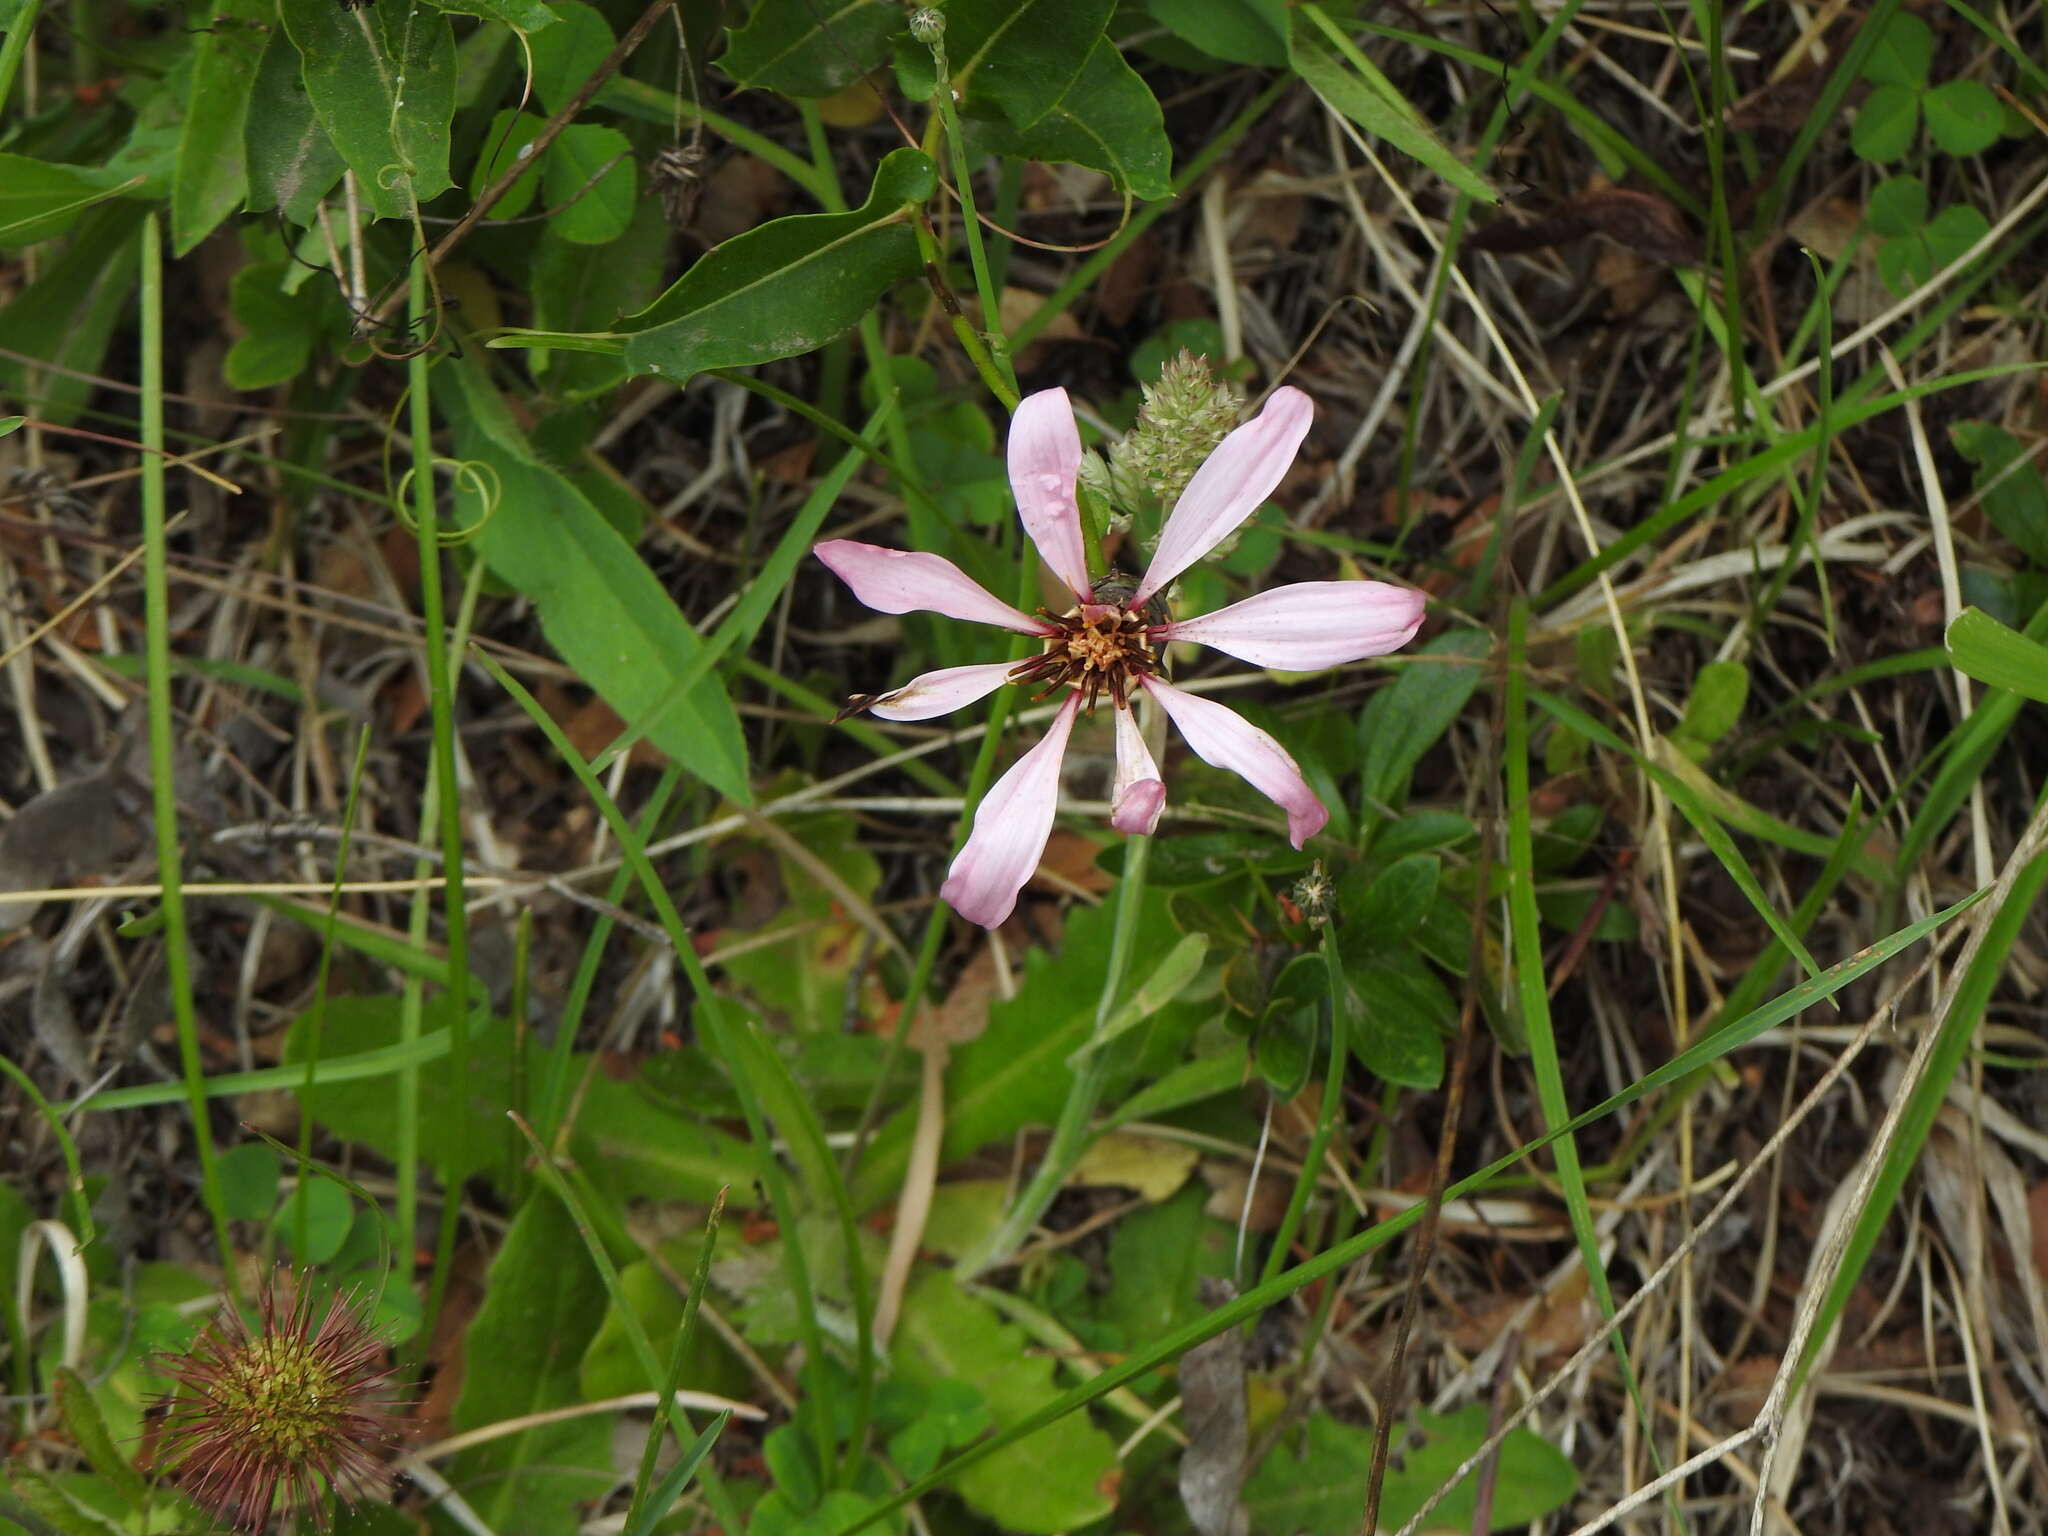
(483, 481)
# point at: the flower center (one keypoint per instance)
(1094, 650)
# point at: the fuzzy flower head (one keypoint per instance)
(272, 1419)
(1109, 644)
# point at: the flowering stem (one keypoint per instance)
(992, 361)
(1071, 1135)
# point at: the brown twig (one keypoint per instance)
(550, 131)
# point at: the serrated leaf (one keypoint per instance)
(1963, 117)
(790, 286)
(291, 163)
(1886, 124)
(382, 81)
(1022, 56)
(1998, 656)
(811, 47)
(50, 1503)
(1055, 1480)
(211, 178)
(1109, 121)
(89, 1431)
(601, 608)
(1351, 84)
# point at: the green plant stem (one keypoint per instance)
(970, 228)
(163, 747)
(1071, 1134)
(14, 45)
(1326, 1120)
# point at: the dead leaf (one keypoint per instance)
(1151, 1165)
(1212, 1393)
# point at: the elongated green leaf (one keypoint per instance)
(67, 315)
(1239, 31)
(788, 287)
(212, 175)
(1398, 1013)
(542, 1305)
(1055, 1481)
(1108, 120)
(2000, 656)
(1022, 56)
(600, 607)
(89, 1431)
(291, 163)
(39, 199)
(382, 81)
(811, 47)
(1349, 83)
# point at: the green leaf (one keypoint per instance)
(1238, 31)
(811, 47)
(573, 50)
(1718, 695)
(1014, 1074)
(248, 1180)
(56, 1507)
(1109, 121)
(67, 315)
(1021, 56)
(1399, 1013)
(542, 1306)
(1380, 909)
(89, 1432)
(279, 330)
(1901, 53)
(382, 81)
(1953, 231)
(1405, 719)
(504, 145)
(590, 178)
(1963, 117)
(1350, 83)
(1052, 1481)
(788, 287)
(571, 292)
(1886, 124)
(366, 1110)
(292, 163)
(638, 1148)
(1897, 206)
(1317, 1490)
(39, 198)
(1168, 980)
(524, 15)
(330, 1213)
(600, 607)
(212, 175)
(1998, 656)
(2008, 484)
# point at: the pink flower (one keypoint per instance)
(1109, 643)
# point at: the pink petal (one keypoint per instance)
(942, 692)
(904, 581)
(1229, 486)
(1137, 796)
(1310, 625)
(1045, 459)
(1225, 739)
(1010, 829)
